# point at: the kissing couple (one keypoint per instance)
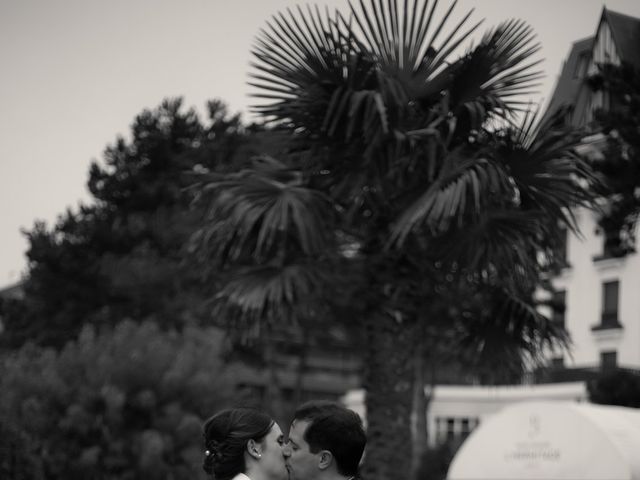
(325, 441)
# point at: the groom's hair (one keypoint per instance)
(335, 428)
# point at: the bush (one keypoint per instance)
(435, 461)
(125, 404)
(617, 387)
(18, 461)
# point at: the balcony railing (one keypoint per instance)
(608, 320)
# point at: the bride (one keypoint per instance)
(243, 444)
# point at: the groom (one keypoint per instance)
(326, 442)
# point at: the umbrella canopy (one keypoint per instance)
(552, 441)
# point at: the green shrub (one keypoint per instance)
(616, 387)
(18, 460)
(123, 404)
(435, 461)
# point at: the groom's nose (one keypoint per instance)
(286, 450)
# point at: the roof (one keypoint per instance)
(570, 88)
(568, 83)
(626, 35)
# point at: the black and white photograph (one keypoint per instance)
(319, 240)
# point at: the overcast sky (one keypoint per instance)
(74, 73)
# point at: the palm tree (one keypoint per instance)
(408, 165)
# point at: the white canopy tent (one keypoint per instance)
(552, 441)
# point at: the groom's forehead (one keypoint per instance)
(298, 427)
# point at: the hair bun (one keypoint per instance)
(225, 438)
(211, 454)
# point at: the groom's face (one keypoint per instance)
(302, 464)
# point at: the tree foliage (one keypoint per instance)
(617, 387)
(126, 403)
(123, 256)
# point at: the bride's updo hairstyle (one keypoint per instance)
(225, 440)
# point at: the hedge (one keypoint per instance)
(127, 403)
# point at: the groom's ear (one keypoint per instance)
(254, 448)
(326, 458)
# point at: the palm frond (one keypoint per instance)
(513, 336)
(271, 291)
(463, 187)
(504, 242)
(549, 175)
(262, 210)
(496, 74)
(533, 167)
(400, 39)
(354, 75)
(300, 59)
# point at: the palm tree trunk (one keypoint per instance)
(419, 410)
(388, 383)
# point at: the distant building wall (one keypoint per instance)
(596, 328)
(454, 411)
(600, 286)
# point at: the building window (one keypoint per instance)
(608, 360)
(441, 434)
(612, 244)
(465, 428)
(557, 362)
(617, 242)
(451, 432)
(609, 317)
(559, 306)
(454, 430)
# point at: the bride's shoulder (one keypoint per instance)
(241, 476)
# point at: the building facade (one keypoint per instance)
(599, 291)
(599, 284)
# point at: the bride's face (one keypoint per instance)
(272, 460)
